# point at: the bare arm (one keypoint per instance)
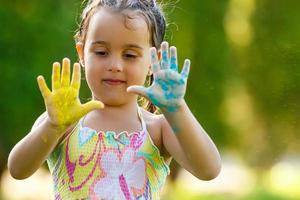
(63, 110)
(31, 152)
(189, 144)
(183, 136)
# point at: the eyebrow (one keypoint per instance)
(99, 42)
(126, 45)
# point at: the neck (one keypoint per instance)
(115, 118)
(115, 113)
(112, 111)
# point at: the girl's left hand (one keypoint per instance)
(168, 88)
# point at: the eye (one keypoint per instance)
(101, 53)
(130, 56)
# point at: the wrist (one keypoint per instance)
(174, 108)
(55, 129)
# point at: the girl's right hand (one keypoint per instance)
(62, 103)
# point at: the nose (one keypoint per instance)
(115, 65)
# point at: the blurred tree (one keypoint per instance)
(196, 29)
(266, 67)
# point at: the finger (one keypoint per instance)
(139, 90)
(186, 68)
(65, 74)
(75, 83)
(55, 76)
(91, 105)
(165, 55)
(173, 61)
(154, 60)
(43, 87)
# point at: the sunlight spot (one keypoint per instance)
(36, 187)
(284, 179)
(235, 178)
(237, 22)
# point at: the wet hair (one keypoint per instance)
(150, 10)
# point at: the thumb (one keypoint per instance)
(139, 90)
(92, 105)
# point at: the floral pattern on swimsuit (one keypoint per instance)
(105, 165)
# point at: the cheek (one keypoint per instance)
(94, 65)
(93, 73)
(139, 73)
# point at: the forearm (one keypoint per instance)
(63, 108)
(32, 151)
(199, 149)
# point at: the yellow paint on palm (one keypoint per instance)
(62, 103)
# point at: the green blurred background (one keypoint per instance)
(244, 85)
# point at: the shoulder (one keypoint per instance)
(150, 117)
(155, 121)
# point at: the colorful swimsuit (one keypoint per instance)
(106, 165)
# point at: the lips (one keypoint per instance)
(111, 81)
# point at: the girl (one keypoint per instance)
(110, 148)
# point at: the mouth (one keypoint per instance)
(113, 81)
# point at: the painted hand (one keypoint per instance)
(62, 103)
(168, 88)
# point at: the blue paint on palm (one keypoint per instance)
(168, 88)
(167, 92)
(154, 99)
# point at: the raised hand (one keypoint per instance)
(168, 88)
(62, 103)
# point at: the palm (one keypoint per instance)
(168, 88)
(62, 103)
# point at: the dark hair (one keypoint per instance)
(149, 9)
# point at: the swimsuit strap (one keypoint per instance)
(81, 120)
(141, 118)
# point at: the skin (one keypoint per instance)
(116, 61)
(169, 86)
(62, 103)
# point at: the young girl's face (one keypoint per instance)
(116, 55)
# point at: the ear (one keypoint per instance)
(80, 52)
